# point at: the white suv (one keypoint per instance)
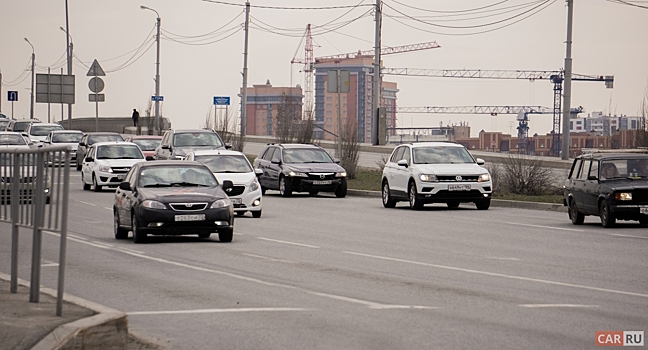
(106, 164)
(435, 172)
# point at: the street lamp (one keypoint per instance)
(70, 48)
(157, 72)
(33, 59)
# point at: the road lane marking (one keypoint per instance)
(75, 236)
(619, 235)
(498, 258)
(47, 263)
(269, 259)
(108, 208)
(557, 305)
(131, 250)
(92, 204)
(493, 274)
(371, 304)
(549, 227)
(286, 242)
(209, 311)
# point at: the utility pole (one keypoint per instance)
(245, 71)
(339, 118)
(376, 82)
(0, 91)
(69, 62)
(156, 128)
(568, 80)
(33, 59)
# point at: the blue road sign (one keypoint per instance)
(222, 100)
(157, 98)
(12, 95)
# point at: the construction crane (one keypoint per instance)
(309, 62)
(556, 77)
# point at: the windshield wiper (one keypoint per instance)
(128, 158)
(187, 184)
(158, 185)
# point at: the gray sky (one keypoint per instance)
(609, 39)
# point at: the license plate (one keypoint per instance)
(643, 210)
(199, 217)
(458, 187)
(236, 200)
(325, 182)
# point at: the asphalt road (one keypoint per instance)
(329, 273)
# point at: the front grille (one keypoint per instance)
(459, 194)
(640, 196)
(321, 176)
(188, 206)
(453, 178)
(120, 170)
(235, 191)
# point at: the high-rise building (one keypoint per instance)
(264, 103)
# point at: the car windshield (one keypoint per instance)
(146, 144)
(306, 156)
(196, 139)
(43, 130)
(225, 163)
(119, 152)
(103, 138)
(73, 137)
(12, 140)
(21, 126)
(623, 168)
(176, 176)
(441, 155)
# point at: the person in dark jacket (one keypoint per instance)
(135, 116)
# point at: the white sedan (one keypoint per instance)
(106, 164)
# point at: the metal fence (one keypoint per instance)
(34, 190)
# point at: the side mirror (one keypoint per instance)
(276, 161)
(258, 172)
(336, 160)
(480, 161)
(88, 159)
(125, 186)
(403, 162)
(227, 184)
(591, 177)
(148, 158)
(228, 146)
(166, 147)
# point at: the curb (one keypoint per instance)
(502, 203)
(107, 329)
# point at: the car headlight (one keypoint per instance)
(428, 178)
(295, 174)
(623, 196)
(221, 203)
(484, 178)
(153, 204)
(341, 174)
(105, 169)
(254, 185)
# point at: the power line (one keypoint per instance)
(288, 8)
(214, 32)
(477, 15)
(208, 43)
(628, 3)
(457, 11)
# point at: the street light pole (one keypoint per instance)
(33, 57)
(70, 48)
(157, 130)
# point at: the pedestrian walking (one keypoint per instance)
(135, 116)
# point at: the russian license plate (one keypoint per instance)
(458, 187)
(324, 182)
(236, 200)
(643, 210)
(198, 217)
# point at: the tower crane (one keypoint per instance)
(556, 77)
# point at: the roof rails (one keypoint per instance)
(640, 150)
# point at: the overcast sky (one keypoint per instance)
(609, 38)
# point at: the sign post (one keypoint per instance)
(222, 101)
(96, 85)
(12, 96)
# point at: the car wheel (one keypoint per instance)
(285, 187)
(95, 187)
(415, 203)
(313, 193)
(138, 235)
(204, 235)
(86, 187)
(120, 233)
(483, 204)
(607, 218)
(226, 235)
(577, 218)
(453, 204)
(256, 214)
(387, 200)
(341, 191)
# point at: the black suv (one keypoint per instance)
(293, 167)
(613, 186)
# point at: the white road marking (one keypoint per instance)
(278, 241)
(549, 227)
(270, 259)
(108, 208)
(497, 258)
(49, 263)
(371, 304)
(557, 305)
(75, 236)
(493, 274)
(104, 244)
(131, 250)
(92, 204)
(209, 311)
(619, 235)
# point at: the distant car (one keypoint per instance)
(63, 138)
(20, 125)
(435, 172)
(4, 121)
(176, 144)
(38, 132)
(245, 194)
(147, 143)
(292, 167)
(90, 139)
(106, 164)
(172, 198)
(12, 140)
(28, 177)
(611, 185)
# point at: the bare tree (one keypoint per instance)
(641, 137)
(350, 148)
(224, 123)
(285, 120)
(305, 128)
(521, 174)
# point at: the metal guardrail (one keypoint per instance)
(34, 191)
